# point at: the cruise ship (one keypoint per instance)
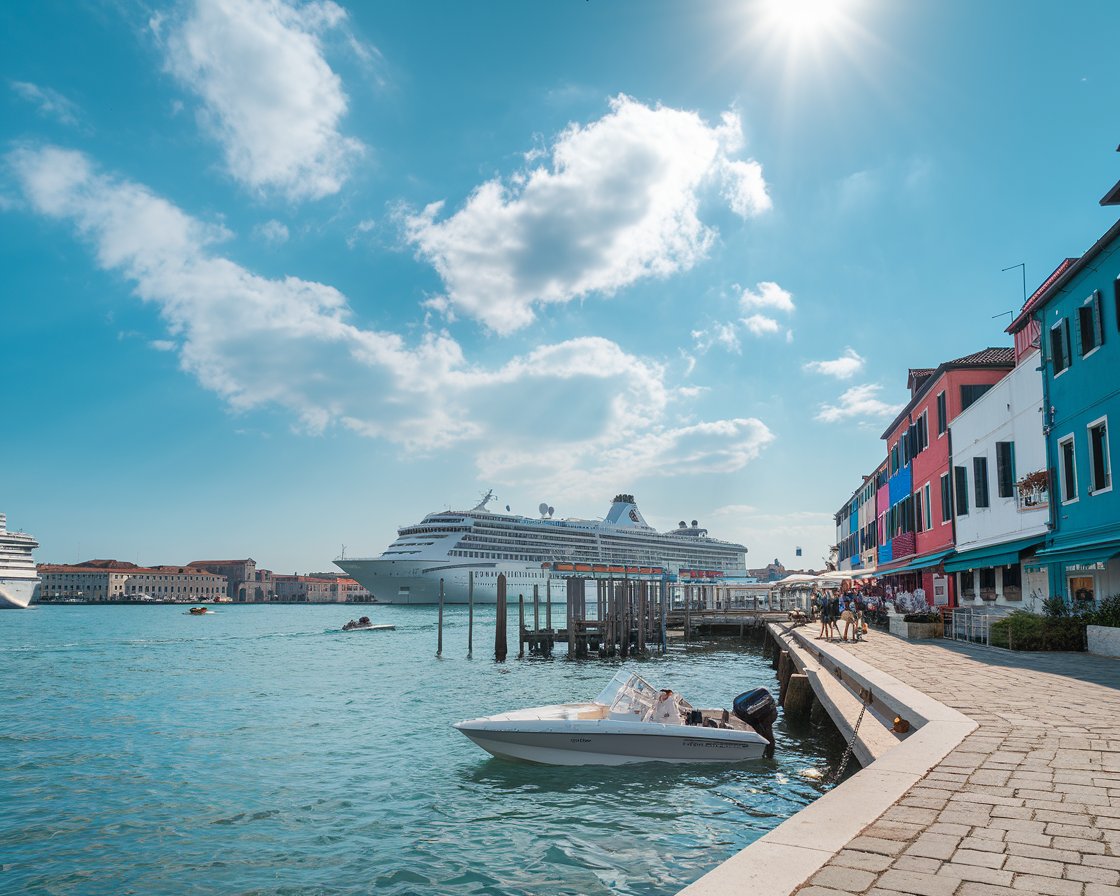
(18, 579)
(452, 544)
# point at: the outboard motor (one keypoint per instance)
(758, 709)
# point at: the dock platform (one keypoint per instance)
(1009, 783)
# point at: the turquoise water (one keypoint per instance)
(259, 750)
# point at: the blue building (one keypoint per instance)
(1078, 318)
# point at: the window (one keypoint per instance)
(971, 392)
(929, 509)
(1089, 330)
(942, 416)
(1012, 577)
(1100, 473)
(1116, 296)
(1069, 470)
(1059, 346)
(980, 474)
(919, 517)
(946, 499)
(987, 579)
(960, 481)
(1005, 469)
(967, 583)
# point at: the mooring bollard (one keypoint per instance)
(439, 641)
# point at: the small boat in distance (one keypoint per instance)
(198, 611)
(629, 722)
(364, 624)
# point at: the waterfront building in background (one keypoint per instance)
(999, 453)
(1079, 320)
(18, 578)
(117, 580)
(450, 546)
(245, 582)
(857, 529)
(319, 588)
(923, 490)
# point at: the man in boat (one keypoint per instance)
(666, 708)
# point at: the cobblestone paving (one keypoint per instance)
(1028, 803)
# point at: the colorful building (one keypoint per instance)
(923, 488)
(1078, 314)
(999, 450)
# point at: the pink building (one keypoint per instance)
(921, 488)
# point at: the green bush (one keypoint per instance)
(1107, 612)
(1021, 630)
(931, 616)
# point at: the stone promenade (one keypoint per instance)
(1028, 803)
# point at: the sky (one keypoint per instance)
(280, 277)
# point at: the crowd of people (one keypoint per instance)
(849, 608)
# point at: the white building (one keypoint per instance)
(996, 443)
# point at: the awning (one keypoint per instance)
(1090, 551)
(919, 563)
(1006, 554)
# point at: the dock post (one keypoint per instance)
(536, 609)
(548, 602)
(663, 588)
(470, 614)
(799, 696)
(520, 626)
(500, 626)
(439, 637)
(687, 612)
(624, 619)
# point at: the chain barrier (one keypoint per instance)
(852, 742)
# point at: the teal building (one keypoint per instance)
(1077, 315)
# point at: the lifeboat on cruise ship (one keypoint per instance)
(616, 569)
(562, 567)
(583, 567)
(599, 567)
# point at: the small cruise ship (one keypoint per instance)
(452, 544)
(18, 578)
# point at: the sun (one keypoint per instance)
(797, 20)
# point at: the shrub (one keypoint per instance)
(1107, 612)
(1021, 630)
(930, 616)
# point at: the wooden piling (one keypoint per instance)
(439, 637)
(500, 628)
(548, 602)
(536, 609)
(520, 626)
(799, 696)
(470, 614)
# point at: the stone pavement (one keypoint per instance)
(1028, 803)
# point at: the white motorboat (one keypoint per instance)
(365, 625)
(630, 721)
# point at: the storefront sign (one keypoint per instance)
(940, 591)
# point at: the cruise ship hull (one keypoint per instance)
(17, 594)
(417, 581)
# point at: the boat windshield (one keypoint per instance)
(628, 694)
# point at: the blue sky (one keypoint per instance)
(282, 276)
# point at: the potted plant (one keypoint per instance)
(1034, 489)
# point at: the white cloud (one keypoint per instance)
(760, 325)
(163, 345)
(618, 203)
(273, 231)
(767, 295)
(725, 335)
(859, 401)
(291, 343)
(843, 368)
(269, 96)
(50, 103)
